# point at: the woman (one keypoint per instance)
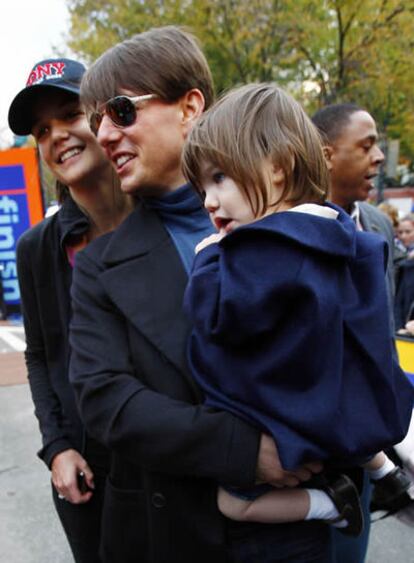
(404, 296)
(405, 233)
(91, 204)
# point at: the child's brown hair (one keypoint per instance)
(249, 125)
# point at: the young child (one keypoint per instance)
(289, 307)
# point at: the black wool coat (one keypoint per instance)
(45, 277)
(129, 370)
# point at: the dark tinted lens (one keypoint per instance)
(121, 110)
(95, 121)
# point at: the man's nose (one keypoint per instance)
(107, 132)
(378, 156)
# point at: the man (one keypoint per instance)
(129, 333)
(353, 156)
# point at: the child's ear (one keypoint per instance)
(328, 152)
(278, 176)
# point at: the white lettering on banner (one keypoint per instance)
(6, 237)
(9, 215)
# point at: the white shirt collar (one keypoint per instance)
(356, 216)
(315, 209)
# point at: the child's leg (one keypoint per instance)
(274, 507)
(280, 506)
(379, 466)
(393, 489)
(405, 449)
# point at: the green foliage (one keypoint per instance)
(324, 51)
(243, 40)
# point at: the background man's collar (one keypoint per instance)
(355, 214)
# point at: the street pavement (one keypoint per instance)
(29, 529)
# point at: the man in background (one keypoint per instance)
(129, 332)
(353, 156)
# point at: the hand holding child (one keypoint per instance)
(269, 468)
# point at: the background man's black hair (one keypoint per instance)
(332, 119)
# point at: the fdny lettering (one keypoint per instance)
(45, 71)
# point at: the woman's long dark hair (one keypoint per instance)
(62, 192)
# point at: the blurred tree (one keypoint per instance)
(340, 44)
(243, 39)
(324, 51)
(358, 51)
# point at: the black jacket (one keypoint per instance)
(45, 278)
(136, 395)
(404, 299)
(375, 221)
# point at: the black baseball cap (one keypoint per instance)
(46, 75)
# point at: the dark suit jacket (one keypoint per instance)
(372, 219)
(136, 395)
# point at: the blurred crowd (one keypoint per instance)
(403, 267)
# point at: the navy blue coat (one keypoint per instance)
(292, 332)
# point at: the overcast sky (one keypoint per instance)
(30, 30)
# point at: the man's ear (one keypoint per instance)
(191, 106)
(328, 152)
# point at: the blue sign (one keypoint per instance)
(11, 178)
(14, 220)
(21, 207)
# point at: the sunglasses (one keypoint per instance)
(121, 110)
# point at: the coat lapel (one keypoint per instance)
(146, 280)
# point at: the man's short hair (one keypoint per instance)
(331, 120)
(166, 61)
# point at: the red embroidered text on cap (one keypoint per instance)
(45, 71)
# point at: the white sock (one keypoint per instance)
(321, 507)
(386, 468)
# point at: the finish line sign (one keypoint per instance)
(21, 207)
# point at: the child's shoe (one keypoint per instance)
(393, 492)
(345, 497)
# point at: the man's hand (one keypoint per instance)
(270, 470)
(66, 467)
